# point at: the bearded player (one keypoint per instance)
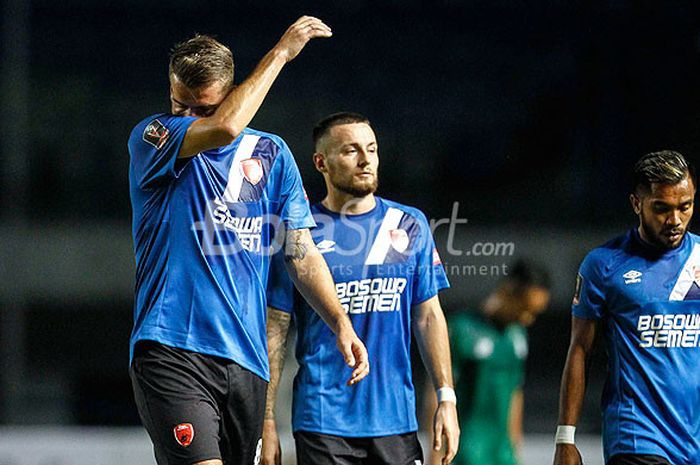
(388, 275)
(641, 291)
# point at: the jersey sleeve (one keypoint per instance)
(294, 207)
(589, 294)
(429, 277)
(154, 145)
(280, 288)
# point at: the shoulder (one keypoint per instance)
(156, 129)
(694, 238)
(470, 335)
(603, 259)
(140, 127)
(269, 137)
(466, 321)
(408, 211)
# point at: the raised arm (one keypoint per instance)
(430, 329)
(240, 105)
(573, 385)
(277, 331)
(313, 279)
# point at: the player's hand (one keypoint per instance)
(446, 425)
(271, 449)
(567, 454)
(299, 34)
(354, 353)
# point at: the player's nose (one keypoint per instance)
(362, 159)
(674, 218)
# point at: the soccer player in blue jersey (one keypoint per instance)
(387, 276)
(641, 290)
(207, 194)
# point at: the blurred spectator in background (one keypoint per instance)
(489, 348)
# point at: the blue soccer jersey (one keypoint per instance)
(648, 302)
(202, 229)
(383, 262)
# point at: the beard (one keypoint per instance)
(357, 189)
(659, 239)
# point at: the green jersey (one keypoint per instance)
(489, 366)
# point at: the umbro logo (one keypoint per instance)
(632, 277)
(326, 246)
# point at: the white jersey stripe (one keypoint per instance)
(235, 173)
(380, 247)
(687, 276)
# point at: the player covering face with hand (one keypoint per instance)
(205, 190)
(387, 276)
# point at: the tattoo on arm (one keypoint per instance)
(277, 330)
(295, 248)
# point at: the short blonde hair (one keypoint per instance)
(201, 61)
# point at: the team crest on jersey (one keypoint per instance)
(184, 434)
(399, 240)
(252, 170)
(156, 134)
(632, 277)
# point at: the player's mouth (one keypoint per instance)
(365, 174)
(673, 235)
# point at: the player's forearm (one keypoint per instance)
(515, 420)
(430, 329)
(313, 279)
(243, 102)
(236, 110)
(277, 330)
(572, 386)
(573, 383)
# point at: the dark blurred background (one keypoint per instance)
(528, 114)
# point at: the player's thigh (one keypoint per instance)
(179, 413)
(398, 449)
(323, 449)
(637, 459)
(243, 416)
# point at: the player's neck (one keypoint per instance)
(342, 202)
(642, 235)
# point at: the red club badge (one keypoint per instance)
(184, 434)
(399, 240)
(252, 170)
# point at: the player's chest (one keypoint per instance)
(639, 282)
(366, 253)
(227, 176)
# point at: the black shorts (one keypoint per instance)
(637, 459)
(197, 407)
(323, 449)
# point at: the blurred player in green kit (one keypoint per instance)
(489, 349)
